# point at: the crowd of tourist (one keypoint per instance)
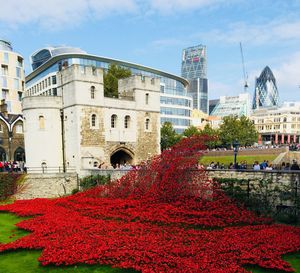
(253, 147)
(117, 166)
(12, 166)
(256, 166)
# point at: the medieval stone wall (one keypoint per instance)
(47, 185)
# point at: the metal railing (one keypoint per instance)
(50, 170)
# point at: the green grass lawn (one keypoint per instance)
(25, 261)
(206, 160)
(8, 231)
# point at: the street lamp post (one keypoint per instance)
(235, 145)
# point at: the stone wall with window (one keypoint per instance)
(87, 129)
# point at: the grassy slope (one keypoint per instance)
(206, 160)
(25, 261)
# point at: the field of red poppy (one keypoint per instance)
(160, 218)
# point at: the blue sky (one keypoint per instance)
(154, 32)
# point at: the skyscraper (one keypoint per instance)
(266, 92)
(194, 69)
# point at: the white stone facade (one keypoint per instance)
(12, 78)
(83, 128)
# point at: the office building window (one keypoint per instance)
(6, 58)
(16, 84)
(4, 81)
(4, 94)
(20, 62)
(4, 70)
(18, 72)
(53, 79)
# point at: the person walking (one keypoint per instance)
(295, 166)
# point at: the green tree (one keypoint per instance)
(168, 136)
(191, 131)
(111, 77)
(237, 129)
(213, 134)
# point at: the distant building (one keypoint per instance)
(212, 104)
(194, 69)
(278, 125)
(234, 105)
(12, 87)
(175, 103)
(11, 77)
(199, 119)
(80, 128)
(266, 92)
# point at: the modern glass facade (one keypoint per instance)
(266, 92)
(194, 69)
(5, 45)
(175, 102)
(237, 106)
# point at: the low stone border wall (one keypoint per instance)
(47, 185)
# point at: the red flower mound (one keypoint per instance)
(164, 217)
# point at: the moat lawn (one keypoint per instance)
(226, 160)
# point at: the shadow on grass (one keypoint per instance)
(293, 259)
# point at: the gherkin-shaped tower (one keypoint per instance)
(266, 92)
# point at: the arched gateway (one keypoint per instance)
(121, 156)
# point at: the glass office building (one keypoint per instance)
(194, 69)
(236, 105)
(266, 92)
(176, 104)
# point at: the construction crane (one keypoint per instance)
(244, 70)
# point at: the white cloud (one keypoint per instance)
(168, 6)
(259, 34)
(287, 76)
(60, 14)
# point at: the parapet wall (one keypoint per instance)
(277, 176)
(47, 185)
